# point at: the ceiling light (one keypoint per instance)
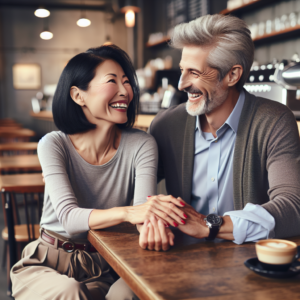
(130, 8)
(129, 18)
(83, 22)
(42, 13)
(46, 35)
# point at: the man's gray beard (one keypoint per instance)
(206, 105)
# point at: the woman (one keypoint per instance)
(93, 167)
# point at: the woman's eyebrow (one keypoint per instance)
(111, 74)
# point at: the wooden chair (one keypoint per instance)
(16, 233)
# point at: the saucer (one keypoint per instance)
(254, 265)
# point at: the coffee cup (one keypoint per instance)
(276, 254)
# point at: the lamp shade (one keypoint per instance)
(83, 22)
(46, 35)
(42, 13)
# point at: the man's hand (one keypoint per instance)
(195, 225)
(155, 236)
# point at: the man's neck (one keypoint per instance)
(215, 119)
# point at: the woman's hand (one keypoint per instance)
(164, 207)
(155, 236)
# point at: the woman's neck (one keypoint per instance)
(99, 145)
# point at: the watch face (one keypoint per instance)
(213, 219)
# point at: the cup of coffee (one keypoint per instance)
(277, 255)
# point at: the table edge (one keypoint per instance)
(138, 286)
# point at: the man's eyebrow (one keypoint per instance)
(192, 69)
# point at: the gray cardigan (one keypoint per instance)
(266, 167)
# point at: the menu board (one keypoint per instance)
(179, 11)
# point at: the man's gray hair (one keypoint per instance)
(229, 37)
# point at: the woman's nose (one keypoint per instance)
(122, 90)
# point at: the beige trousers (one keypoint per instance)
(48, 272)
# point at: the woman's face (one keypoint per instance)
(109, 94)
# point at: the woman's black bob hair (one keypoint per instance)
(80, 70)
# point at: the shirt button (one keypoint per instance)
(216, 141)
(213, 179)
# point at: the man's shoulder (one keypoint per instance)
(267, 108)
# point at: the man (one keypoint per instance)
(233, 157)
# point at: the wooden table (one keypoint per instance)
(142, 121)
(20, 163)
(21, 134)
(22, 183)
(192, 269)
(18, 147)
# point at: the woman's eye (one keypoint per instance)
(126, 81)
(111, 80)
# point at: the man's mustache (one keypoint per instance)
(192, 90)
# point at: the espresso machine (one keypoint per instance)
(279, 81)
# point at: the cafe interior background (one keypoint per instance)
(30, 65)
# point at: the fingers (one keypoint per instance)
(143, 240)
(151, 242)
(157, 236)
(163, 234)
(177, 201)
(171, 237)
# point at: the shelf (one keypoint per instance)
(248, 7)
(163, 41)
(275, 36)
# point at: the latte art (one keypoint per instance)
(277, 245)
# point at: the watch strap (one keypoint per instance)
(213, 231)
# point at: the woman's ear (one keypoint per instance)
(76, 95)
(234, 75)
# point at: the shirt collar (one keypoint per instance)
(234, 117)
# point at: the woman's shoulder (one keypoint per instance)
(136, 139)
(138, 136)
(53, 140)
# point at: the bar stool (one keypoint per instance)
(16, 234)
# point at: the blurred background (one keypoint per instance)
(38, 37)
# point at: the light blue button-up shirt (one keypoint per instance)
(212, 190)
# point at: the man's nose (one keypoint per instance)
(183, 82)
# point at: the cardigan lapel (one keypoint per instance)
(240, 149)
(188, 158)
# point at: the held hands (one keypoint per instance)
(166, 208)
(195, 225)
(155, 236)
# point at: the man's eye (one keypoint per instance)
(194, 73)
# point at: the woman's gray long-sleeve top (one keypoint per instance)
(73, 187)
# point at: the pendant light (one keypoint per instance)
(46, 34)
(42, 12)
(130, 8)
(83, 21)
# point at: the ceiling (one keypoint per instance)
(102, 5)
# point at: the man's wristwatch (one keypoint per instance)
(214, 223)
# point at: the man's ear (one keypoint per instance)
(75, 94)
(234, 75)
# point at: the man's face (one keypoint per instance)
(205, 91)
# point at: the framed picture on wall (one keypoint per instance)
(26, 76)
